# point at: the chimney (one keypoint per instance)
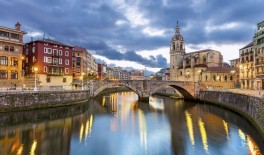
(18, 26)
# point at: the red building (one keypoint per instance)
(53, 61)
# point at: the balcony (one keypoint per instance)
(55, 55)
(55, 71)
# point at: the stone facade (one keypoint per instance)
(11, 47)
(144, 88)
(199, 66)
(249, 106)
(31, 100)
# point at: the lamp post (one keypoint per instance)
(35, 70)
(22, 73)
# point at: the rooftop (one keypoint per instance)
(248, 45)
(10, 29)
(52, 42)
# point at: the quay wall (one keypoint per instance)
(17, 101)
(250, 107)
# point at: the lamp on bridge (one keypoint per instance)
(35, 70)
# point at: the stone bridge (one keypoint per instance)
(145, 88)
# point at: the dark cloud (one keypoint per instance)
(92, 24)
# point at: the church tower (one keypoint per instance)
(177, 50)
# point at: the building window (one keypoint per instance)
(3, 74)
(64, 80)
(1, 48)
(6, 48)
(60, 60)
(14, 36)
(60, 52)
(33, 59)
(55, 45)
(46, 44)
(12, 49)
(231, 78)
(66, 53)
(47, 59)
(47, 50)
(48, 79)
(3, 61)
(4, 34)
(66, 62)
(55, 52)
(66, 70)
(14, 75)
(14, 61)
(33, 49)
(204, 60)
(225, 78)
(45, 69)
(214, 78)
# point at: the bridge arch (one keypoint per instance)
(111, 85)
(187, 93)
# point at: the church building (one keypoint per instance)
(204, 66)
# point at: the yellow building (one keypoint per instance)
(11, 47)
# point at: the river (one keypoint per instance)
(117, 124)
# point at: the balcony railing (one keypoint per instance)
(55, 71)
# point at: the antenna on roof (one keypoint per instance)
(44, 34)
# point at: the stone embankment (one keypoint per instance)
(17, 101)
(251, 107)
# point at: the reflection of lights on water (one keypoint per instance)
(33, 147)
(142, 129)
(20, 150)
(252, 146)
(156, 103)
(203, 134)
(190, 127)
(242, 136)
(81, 133)
(226, 129)
(88, 127)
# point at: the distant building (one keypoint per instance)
(53, 61)
(102, 72)
(137, 75)
(204, 66)
(11, 48)
(163, 74)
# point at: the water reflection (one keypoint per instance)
(118, 124)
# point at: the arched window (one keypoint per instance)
(204, 59)
(214, 78)
(3, 60)
(231, 78)
(225, 78)
(181, 73)
(206, 78)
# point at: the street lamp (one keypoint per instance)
(22, 72)
(35, 70)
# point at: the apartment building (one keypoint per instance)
(11, 47)
(51, 60)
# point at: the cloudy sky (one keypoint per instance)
(137, 33)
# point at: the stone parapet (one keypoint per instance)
(249, 106)
(16, 101)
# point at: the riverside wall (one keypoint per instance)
(17, 101)
(250, 107)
